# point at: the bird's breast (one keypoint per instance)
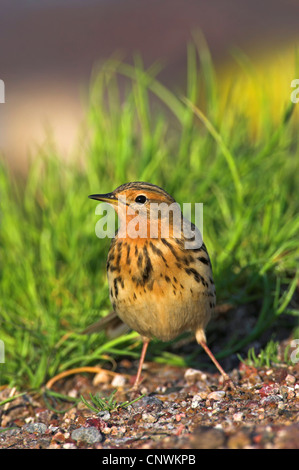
(158, 288)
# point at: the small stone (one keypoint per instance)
(118, 381)
(238, 416)
(52, 428)
(38, 428)
(104, 415)
(70, 415)
(284, 390)
(269, 389)
(196, 401)
(290, 379)
(101, 378)
(179, 416)
(73, 393)
(122, 430)
(291, 395)
(90, 435)
(161, 389)
(54, 445)
(218, 395)
(149, 417)
(114, 430)
(193, 375)
(148, 403)
(271, 399)
(98, 423)
(69, 445)
(43, 416)
(59, 437)
(29, 419)
(106, 430)
(218, 426)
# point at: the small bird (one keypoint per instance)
(159, 271)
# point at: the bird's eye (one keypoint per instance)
(140, 199)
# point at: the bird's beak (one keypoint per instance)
(109, 197)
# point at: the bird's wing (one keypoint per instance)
(111, 323)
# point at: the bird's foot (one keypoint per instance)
(228, 384)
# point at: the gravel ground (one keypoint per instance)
(182, 409)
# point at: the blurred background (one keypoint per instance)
(48, 51)
(94, 97)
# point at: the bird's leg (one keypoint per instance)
(227, 381)
(141, 361)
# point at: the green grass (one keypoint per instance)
(97, 403)
(53, 279)
(266, 357)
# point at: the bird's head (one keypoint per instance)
(143, 203)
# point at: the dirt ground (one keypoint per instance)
(182, 409)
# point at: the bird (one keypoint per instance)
(159, 271)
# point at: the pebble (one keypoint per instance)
(193, 375)
(274, 399)
(29, 419)
(291, 395)
(216, 395)
(101, 377)
(73, 393)
(69, 445)
(196, 401)
(179, 416)
(114, 430)
(238, 416)
(39, 428)
(59, 437)
(149, 403)
(118, 381)
(149, 417)
(90, 435)
(53, 428)
(104, 415)
(290, 379)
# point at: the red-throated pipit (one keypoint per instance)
(159, 271)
